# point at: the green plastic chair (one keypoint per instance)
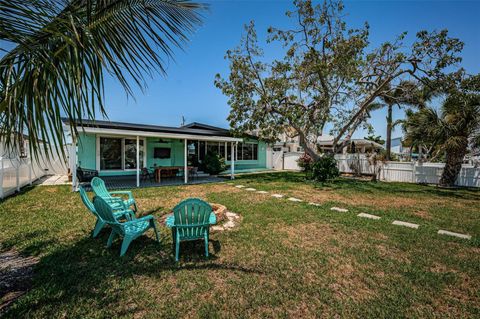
(129, 230)
(100, 223)
(191, 222)
(99, 188)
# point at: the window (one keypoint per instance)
(131, 153)
(110, 153)
(116, 153)
(247, 151)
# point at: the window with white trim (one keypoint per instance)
(247, 151)
(117, 153)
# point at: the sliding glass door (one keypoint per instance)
(118, 153)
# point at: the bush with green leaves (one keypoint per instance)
(324, 169)
(305, 162)
(213, 163)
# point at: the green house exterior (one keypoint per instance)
(110, 147)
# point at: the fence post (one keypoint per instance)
(30, 173)
(414, 175)
(1, 178)
(17, 175)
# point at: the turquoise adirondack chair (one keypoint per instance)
(191, 221)
(129, 230)
(100, 223)
(99, 188)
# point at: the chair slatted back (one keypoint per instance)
(106, 213)
(192, 218)
(99, 188)
(86, 201)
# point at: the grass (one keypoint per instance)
(285, 259)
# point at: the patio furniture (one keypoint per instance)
(86, 175)
(99, 188)
(169, 171)
(129, 230)
(191, 220)
(193, 172)
(100, 223)
(147, 175)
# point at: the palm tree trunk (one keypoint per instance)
(453, 165)
(389, 131)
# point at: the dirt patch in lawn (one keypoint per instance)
(16, 274)
(421, 204)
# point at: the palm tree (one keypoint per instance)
(407, 93)
(56, 54)
(452, 130)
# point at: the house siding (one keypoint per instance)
(87, 146)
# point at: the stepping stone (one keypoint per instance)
(410, 225)
(239, 186)
(450, 233)
(277, 195)
(293, 199)
(338, 209)
(250, 189)
(219, 228)
(262, 192)
(368, 216)
(314, 204)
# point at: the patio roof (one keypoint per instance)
(133, 129)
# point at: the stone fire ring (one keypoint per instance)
(225, 220)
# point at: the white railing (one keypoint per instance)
(16, 172)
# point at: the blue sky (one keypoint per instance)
(188, 88)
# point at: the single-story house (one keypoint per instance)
(115, 148)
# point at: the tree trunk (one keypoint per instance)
(453, 165)
(389, 131)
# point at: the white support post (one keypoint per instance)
(73, 164)
(185, 168)
(138, 161)
(232, 165)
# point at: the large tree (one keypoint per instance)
(450, 131)
(328, 75)
(61, 50)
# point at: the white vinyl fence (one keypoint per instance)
(409, 172)
(16, 172)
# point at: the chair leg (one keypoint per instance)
(98, 227)
(206, 245)
(126, 242)
(154, 225)
(177, 249)
(110, 239)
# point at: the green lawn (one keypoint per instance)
(286, 259)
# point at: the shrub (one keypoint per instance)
(213, 163)
(305, 162)
(324, 169)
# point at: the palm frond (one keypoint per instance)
(62, 51)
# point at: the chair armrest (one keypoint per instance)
(129, 193)
(192, 225)
(144, 218)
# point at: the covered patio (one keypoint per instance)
(133, 155)
(128, 182)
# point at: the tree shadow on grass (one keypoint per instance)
(86, 272)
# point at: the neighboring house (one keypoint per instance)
(359, 146)
(287, 143)
(111, 147)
